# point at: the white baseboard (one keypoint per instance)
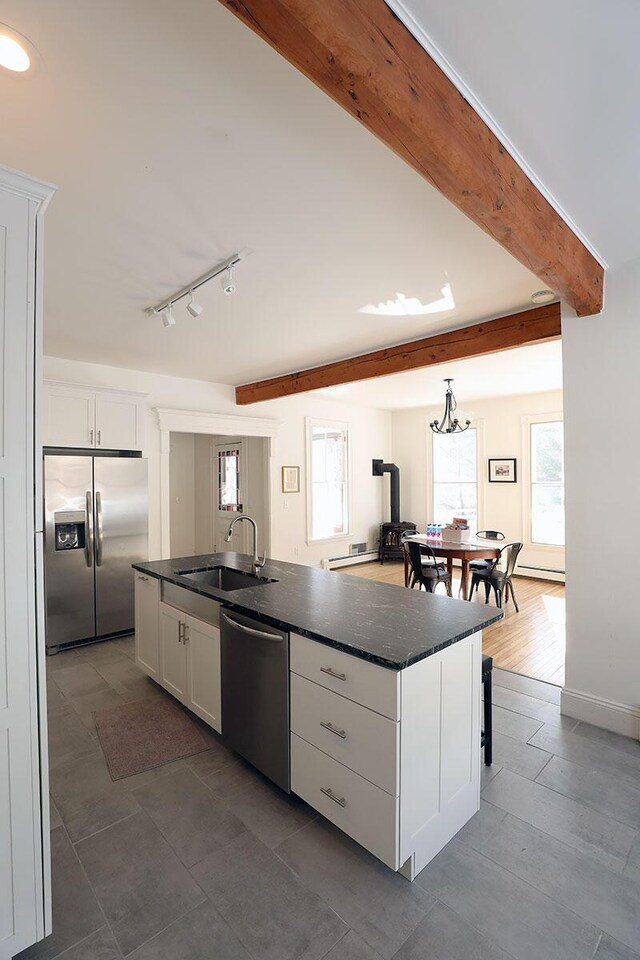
(618, 717)
(332, 563)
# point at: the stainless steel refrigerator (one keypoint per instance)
(95, 527)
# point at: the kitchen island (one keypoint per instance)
(383, 691)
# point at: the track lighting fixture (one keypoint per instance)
(223, 270)
(194, 308)
(228, 285)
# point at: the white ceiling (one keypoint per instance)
(524, 370)
(177, 137)
(561, 81)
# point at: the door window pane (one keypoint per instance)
(455, 477)
(229, 480)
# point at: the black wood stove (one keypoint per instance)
(391, 533)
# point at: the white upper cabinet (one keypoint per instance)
(77, 416)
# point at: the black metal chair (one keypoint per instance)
(486, 739)
(498, 576)
(494, 535)
(429, 574)
(426, 562)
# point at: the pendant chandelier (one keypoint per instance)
(449, 422)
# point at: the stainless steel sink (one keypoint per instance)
(224, 578)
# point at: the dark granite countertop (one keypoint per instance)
(376, 621)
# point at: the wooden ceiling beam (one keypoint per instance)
(505, 333)
(360, 53)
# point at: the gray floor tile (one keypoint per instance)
(589, 753)
(632, 868)
(199, 935)
(87, 705)
(526, 685)
(352, 947)
(212, 760)
(264, 809)
(99, 946)
(488, 773)
(104, 652)
(482, 825)
(610, 949)
(55, 820)
(614, 740)
(140, 883)
(76, 913)
(513, 724)
(77, 680)
(381, 906)
(597, 789)
(56, 702)
(575, 824)
(527, 706)
(271, 912)
(128, 680)
(147, 777)
(62, 660)
(570, 878)
(189, 816)
(520, 757)
(443, 935)
(126, 645)
(87, 798)
(522, 921)
(69, 738)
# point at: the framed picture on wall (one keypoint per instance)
(503, 471)
(291, 479)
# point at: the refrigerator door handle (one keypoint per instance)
(88, 540)
(98, 529)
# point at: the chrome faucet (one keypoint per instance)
(257, 564)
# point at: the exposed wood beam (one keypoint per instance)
(359, 53)
(505, 333)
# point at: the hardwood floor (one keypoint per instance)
(531, 642)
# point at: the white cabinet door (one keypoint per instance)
(173, 654)
(204, 693)
(117, 423)
(147, 598)
(69, 417)
(24, 824)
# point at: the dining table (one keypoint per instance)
(450, 550)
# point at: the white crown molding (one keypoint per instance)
(26, 186)
(197, 421)
(412, 25)
(67, 385)
(608, 714)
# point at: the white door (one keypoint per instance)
(69, 417)
(203, 665)
(173, 657)
(147, 598)
(229, 490)
(24, 824)
(116, 423)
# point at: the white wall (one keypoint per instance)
(502, 432)
(182, 494)
(371, 437)
(601, 358)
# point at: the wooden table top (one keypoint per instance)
(475, 548)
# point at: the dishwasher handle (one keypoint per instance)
(262, 634)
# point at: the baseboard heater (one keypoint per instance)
(332, 563)
(541, 573)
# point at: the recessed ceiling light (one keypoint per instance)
(411, 306)
(16, 53)
(543, 296)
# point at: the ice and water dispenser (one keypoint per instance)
(69, 529)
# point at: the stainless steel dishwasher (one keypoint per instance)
(255, 694)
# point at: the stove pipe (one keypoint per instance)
(380, 468)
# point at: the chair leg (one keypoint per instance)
(449, 594)
(488, 722)
(513, 597)
(498, 597)
(487, 591)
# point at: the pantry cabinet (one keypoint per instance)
(82, 417)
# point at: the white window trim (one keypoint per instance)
(553, 549)
(332, 425)
(478, 426)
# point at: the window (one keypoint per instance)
(229, 480)
(547, 483)
(328, 471)
(455, 477)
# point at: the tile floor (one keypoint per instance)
(204, 858)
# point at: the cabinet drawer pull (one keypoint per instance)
(140, 577)
(333, 673)
(328, 792)
(99, 438)
(180, 631)
(185, 633)
(330, 727)
(90, 438)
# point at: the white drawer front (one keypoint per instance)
(362, 740)
(366, 683)
(359, 808)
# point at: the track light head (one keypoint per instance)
(194, 308)
(168, 319)
(228, 284)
